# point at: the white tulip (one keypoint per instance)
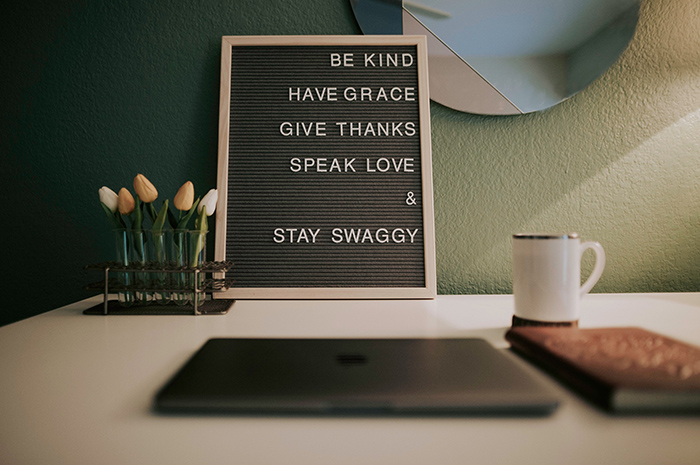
(109, 198)
(209, 201)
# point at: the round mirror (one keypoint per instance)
(507, 57)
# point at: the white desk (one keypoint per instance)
(77, 389)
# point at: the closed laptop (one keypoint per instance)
(396, 376)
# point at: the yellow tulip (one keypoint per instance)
(145, 190)
(125, 201)
(185, 197)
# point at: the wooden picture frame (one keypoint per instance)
(325, 171)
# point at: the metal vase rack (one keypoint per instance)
(202, 284)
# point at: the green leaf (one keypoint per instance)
(182, 224)
(200, 223)
(196, 247)
(159, 220)
(120, 220)
(137, 223)
(112, 216)
(171, 219)
(152, 213)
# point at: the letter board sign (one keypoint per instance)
(325, 177)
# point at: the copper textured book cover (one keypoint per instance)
(630, 370)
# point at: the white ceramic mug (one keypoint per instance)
(547, 277)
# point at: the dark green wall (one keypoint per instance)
(94, 92)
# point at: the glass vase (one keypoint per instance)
(178, 255)
(139, 257)
(123, 249)
(197, 257)
(158, 244)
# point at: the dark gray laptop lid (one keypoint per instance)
(354, 375)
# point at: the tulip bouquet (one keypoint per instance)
(134, 241)
(185, 203)
(116, 206)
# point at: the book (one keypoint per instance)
(623, 370)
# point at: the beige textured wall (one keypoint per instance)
(618, 163)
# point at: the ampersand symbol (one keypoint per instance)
(410, 200)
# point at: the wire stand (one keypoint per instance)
(201, 285)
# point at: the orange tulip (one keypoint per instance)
(125, 201)
(185, 197)
(145, 190)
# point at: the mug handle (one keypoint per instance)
(597, 269)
